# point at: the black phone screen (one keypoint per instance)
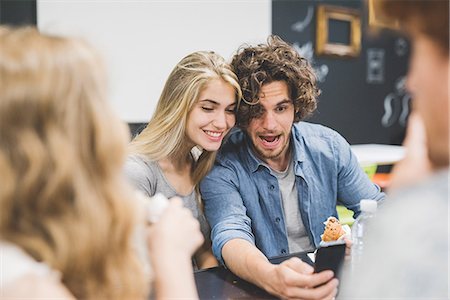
(330, 257)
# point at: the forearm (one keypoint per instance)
(205, 258)
(174, 278)
(247, 262)
(290, 279)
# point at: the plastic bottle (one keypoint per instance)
(359, 228)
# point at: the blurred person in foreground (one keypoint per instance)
(407, 247)
(67, 222)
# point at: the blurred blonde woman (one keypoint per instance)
(177, 148)
(66, 219)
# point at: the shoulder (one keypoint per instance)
(16, 263)
(417, 211)
(138, 160)
(141, 173)
(232, 146)
(410, 233)
(318, 138)
(234, 139)
(311, 130)
(24, 277)
(230, 160)
(31, 286)
(429, 194)
(139, 166)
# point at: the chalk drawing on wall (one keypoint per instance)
(396, 105)
(401, 46)
(307, 51)
(301, 25)
(375, 66)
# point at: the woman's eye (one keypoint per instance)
(207, 108)
(231, 110)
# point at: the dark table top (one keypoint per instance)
(220, 283)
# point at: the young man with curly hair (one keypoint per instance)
(277, 179)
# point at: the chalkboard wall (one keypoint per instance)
(18, 12)
(362, 97)
(364, 108)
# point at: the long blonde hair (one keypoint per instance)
(165, 134)
(62, 197)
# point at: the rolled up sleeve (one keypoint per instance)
(353, 183)
(224, 209)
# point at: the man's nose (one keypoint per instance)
(269, 121)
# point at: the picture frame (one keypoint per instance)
(376, 19)
(324, 45)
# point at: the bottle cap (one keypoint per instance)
(368, 205)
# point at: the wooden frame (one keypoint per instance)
(376, 18)
(325, 13)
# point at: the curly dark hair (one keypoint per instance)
(258, 65)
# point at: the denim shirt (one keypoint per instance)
(242, 198)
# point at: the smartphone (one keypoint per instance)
(330, 256)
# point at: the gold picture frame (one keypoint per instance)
(376, 19)
(325, 13)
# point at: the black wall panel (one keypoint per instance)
(18, 12)
(363, 108)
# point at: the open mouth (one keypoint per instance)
(270, 141)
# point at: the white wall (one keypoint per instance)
(142, 41)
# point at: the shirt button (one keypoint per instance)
(283, 251)
(271, 187)
(277, 220)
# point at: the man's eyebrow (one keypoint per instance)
(284, 102)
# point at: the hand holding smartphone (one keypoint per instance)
(330, 256)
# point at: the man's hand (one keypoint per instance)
(348, 247)
(294, 279)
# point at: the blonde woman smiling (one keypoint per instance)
(177, 148)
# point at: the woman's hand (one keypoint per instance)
(177, 233)
(172, 241)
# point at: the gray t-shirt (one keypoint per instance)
(298, 239)
(406, 255)
(147, 177)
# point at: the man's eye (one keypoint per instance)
(281, 108)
